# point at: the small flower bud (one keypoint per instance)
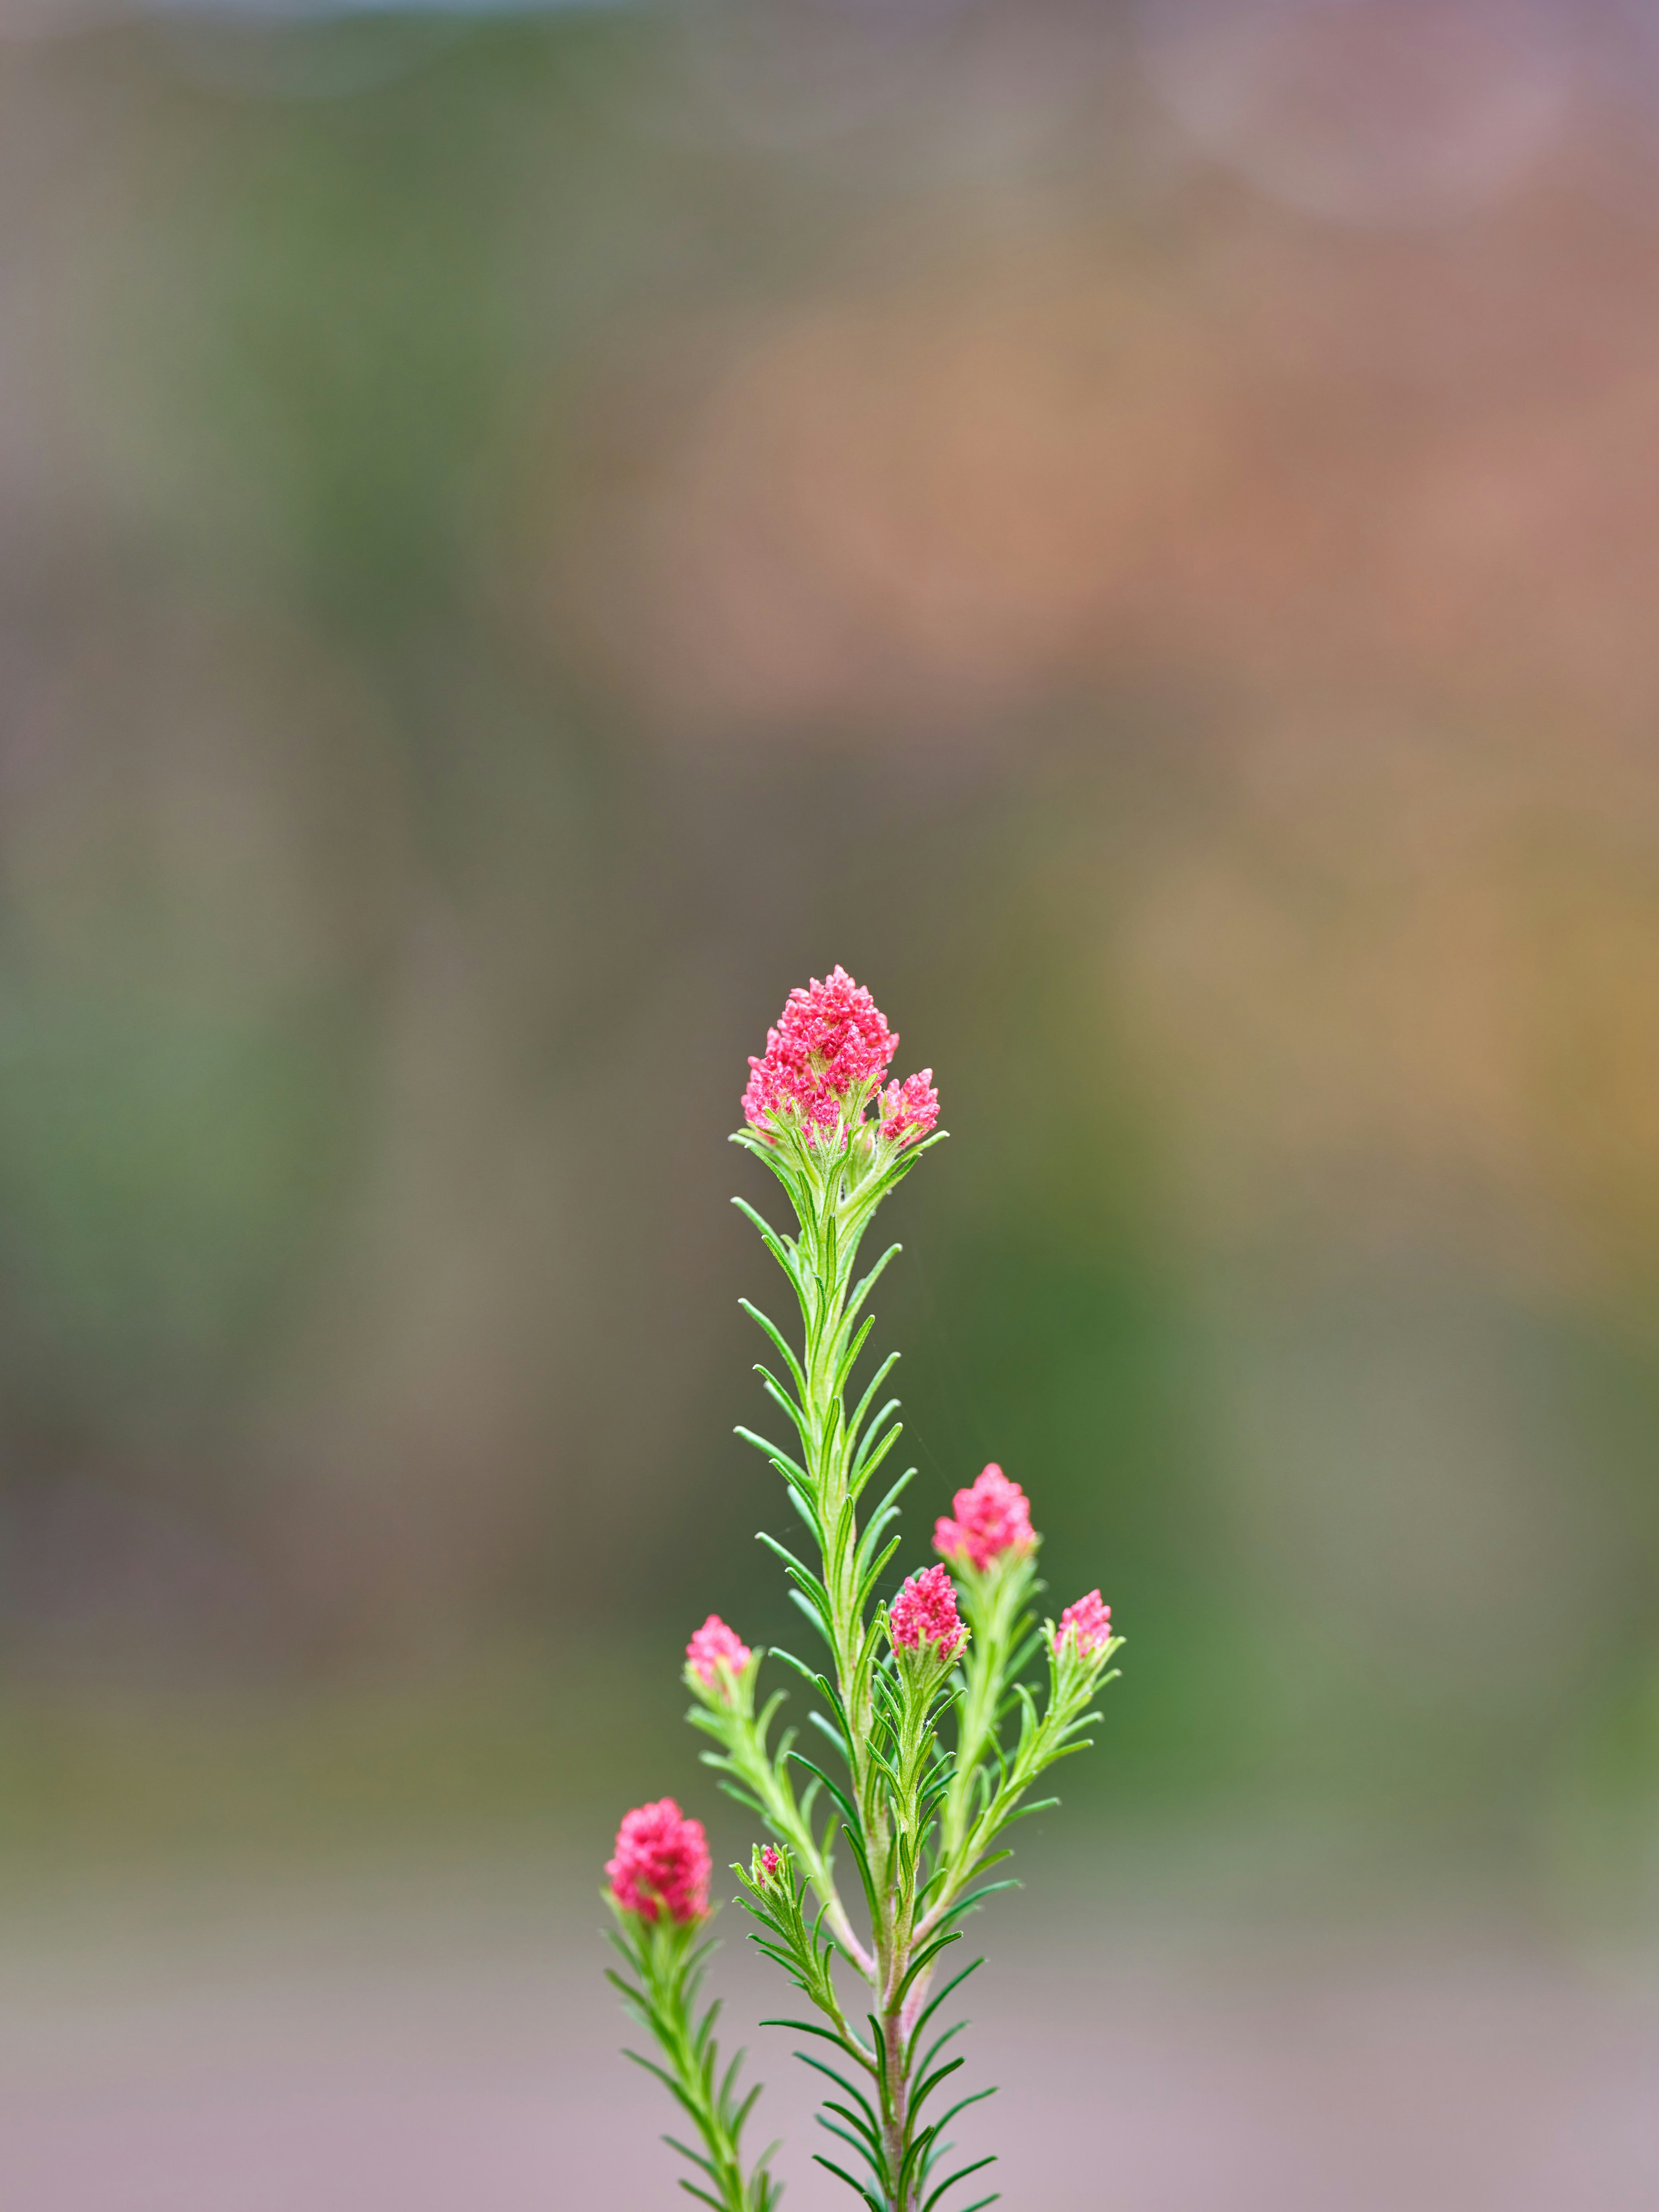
(924, 1615)
(909, 1109)
(991, 1519)
(716, 1655)
(661, 1864)
(764, 1866)
(1085, 1628)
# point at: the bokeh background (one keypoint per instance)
(524, 533)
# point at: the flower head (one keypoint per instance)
(909, 1109)
(770, 1860)
(716, 1651)
(1084, 1628)
(661, 1862)
(830, 1039)
(991, 1518)
(925, 1612)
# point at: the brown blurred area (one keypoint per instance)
(525, 534)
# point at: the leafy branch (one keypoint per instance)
(922, 1820)
(667, 1961)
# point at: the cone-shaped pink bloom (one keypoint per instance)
(829, 1039)
(713, 1648)
(991, 1518)
(770, 1861)
(925, 1612)
(661, 1863)
(1087, 1625)
(909, 1109)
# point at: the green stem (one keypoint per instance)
(831, 1231)
(667, 1960)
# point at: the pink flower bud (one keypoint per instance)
(770, 1861)
(992, 1518)
(831, 1041)
(716, 1650)
(1086, 1626)
(925, 1612)
(909, 1109)
(661, 1861)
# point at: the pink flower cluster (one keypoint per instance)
(909, 1109)
(925, 1612)
(714, 1648)
(770, 1861)
(661, 1861)
(1086, 1625)
(991, 1518)
(830, 1041)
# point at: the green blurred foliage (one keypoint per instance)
(558, 528)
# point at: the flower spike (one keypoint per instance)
(661, 1864)
(1085, 1628)
(992, 1518)
(909, 1109)
(830, 1041)
(716, 1656)
(925, 1612)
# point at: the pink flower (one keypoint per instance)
(1086, 1625)
(830, 1040)
(770, 1861)
(714, 1648)
(992, 1518)
(909, 1109)
(925, 1612)
(662, 1860)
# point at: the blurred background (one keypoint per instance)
(524, 533)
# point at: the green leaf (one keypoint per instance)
(863, 2133)
(802, 1573)
(922, 1958)
(887, 1511)
(841, 2136)
(930, 1797)
(978, 2098)
(962, 2174)
(937, 2046)
(776, 1391)
(939, 1997)
(967, 1904)
(780, 1459)
(870, 1458)
(857, 2187)
(840, 2080)
(940, 2074)
(849, 1358)
(862, 1290)
(812, 1615)
(871, 1575)
(876, 1381)
(851, 1826)
(782, 1343)
(808, 2027)
(695, 2157)
(774, 1243)
(827, 1727)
